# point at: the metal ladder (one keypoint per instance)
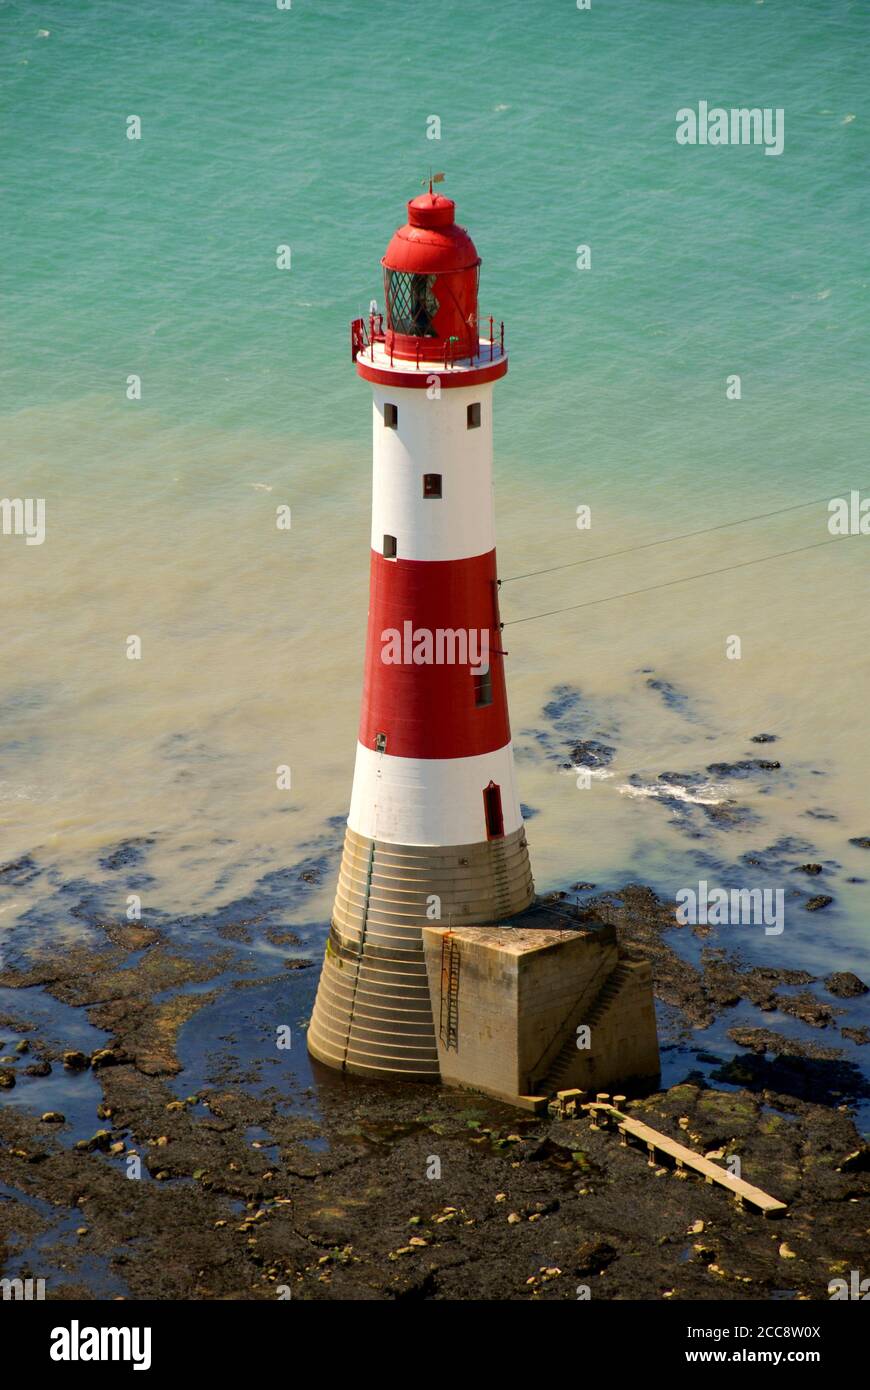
(448, 1027)
(362, 946)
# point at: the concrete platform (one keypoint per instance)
(509, 998)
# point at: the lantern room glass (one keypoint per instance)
(411, 303)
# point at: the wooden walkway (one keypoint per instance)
(686, 1158)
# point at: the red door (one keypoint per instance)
(494, 815)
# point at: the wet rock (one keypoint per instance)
(728, 814)
(532, 1150)
(76, 1061)
(593, 1256)
(53, 1117)
(581, 887)
(742, 768)
(724, 982)
(856, 1162)
(705, 1254)
(127, 854)
(38, 1069)
(862, 841)
(816, 1078)
(806, 1007)
(18, 872)
(22, 1046)
(149, 1029)
(845, 984)
(682, 779)
(818, 902)
(591, 753)
(106, 1057)
(674, 699)
(761, 1040)
(811, 869)
(102, 1140)
(720, 984)
(861, 1036)
(564, 700)
(235, 931)
(788, 845)
(7, 1079)
(759, 984)
(541, 1208)
(282, 936)
(763, 738)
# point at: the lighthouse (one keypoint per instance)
(435, 834)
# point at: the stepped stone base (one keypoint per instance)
(373, 1012)
(491, 1002)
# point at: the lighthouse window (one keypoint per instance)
(473, 414)
(411, 303)
(483, 689)
(431, 484)
(380, 743)
(389, 547)
(391, 416)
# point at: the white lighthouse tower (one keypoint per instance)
(435, 835)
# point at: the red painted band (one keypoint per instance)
(450, 376)
(430, 710)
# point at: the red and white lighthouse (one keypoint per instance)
(435, 833)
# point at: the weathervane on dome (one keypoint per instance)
(433, 178)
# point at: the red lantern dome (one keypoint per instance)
(431, 273)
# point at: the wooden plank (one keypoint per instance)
(654, 1140)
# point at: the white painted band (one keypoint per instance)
(432, 436)
(430, 801)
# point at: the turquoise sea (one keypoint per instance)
(156, 258)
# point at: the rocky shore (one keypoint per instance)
(391, 1192)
